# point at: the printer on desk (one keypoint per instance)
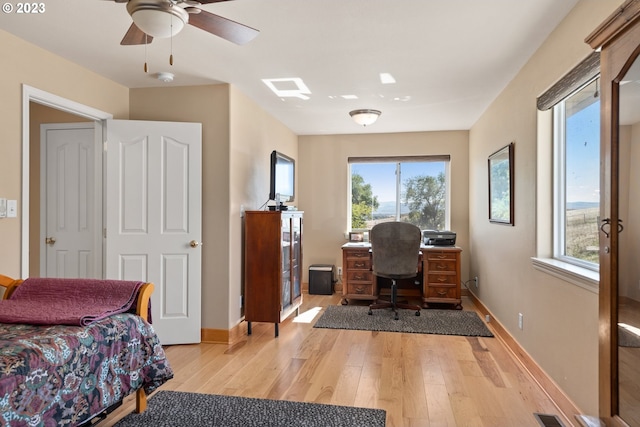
(438, 238)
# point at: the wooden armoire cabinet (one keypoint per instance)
(618, 39)
(272, 266)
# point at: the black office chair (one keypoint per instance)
(395, 248)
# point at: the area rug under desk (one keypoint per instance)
(430, 321)
(180, 409)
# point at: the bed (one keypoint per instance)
(69, 369)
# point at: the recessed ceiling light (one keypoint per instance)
(387, 78)
(292, 87)
(350, 96)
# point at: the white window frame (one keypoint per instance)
(559, 187)
(550, 186)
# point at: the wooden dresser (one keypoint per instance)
(440, 270)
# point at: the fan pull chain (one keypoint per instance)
(146, 69)
(171, 53)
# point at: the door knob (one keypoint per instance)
(195, 243)
(50, 241)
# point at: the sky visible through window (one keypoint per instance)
(382, 176)
(583, 155)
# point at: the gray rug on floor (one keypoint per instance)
(430, 321)
(627, 337)
(179, 409)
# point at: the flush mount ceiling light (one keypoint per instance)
(365, 117)
(164, 76)
(158, 19)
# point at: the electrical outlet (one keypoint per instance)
(487, 318)
(520, 321)
(339, 271)
(475, 279)
(240, 301)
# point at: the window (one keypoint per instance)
(409, 189)
(577, 177)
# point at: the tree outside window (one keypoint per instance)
(413, 191)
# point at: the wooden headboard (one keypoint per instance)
(10, 284)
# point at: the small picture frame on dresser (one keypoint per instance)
(356, 236)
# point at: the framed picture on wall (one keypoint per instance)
(501, 185)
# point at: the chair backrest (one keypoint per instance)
(395, 248)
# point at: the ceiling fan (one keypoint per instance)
(166, 18)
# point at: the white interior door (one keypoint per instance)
(70, 244)
(153, 218)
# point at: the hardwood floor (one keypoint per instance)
(629, 364)
(420, 380)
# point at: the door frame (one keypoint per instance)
(32, 94)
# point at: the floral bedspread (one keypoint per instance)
(65, 375)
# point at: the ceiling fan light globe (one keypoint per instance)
(157, 20)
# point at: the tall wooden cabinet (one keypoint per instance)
(618, 39)
(272, 266)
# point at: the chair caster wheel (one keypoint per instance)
(370, 312)
(417, 313)
(397, 317)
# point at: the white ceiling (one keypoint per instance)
(450, 58)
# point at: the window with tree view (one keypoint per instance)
(577, 185)
(409, 189)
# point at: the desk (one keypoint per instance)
(438, 275)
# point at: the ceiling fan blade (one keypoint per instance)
(135, 36)
(222, 27)
(210, 1)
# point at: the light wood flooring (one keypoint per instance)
(420, 380)
(629, 365)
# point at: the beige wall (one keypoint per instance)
(560, 319)
(254, 135)
(323, 184)
(24, 63)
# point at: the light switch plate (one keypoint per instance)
(12, 208)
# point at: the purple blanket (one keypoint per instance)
(79, 302)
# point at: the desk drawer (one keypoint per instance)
(441, 292)
(359, 289)
(359, 264)
(441, 256)
(442, 265)
(359, 276)
(434, 279)
(357, 253)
